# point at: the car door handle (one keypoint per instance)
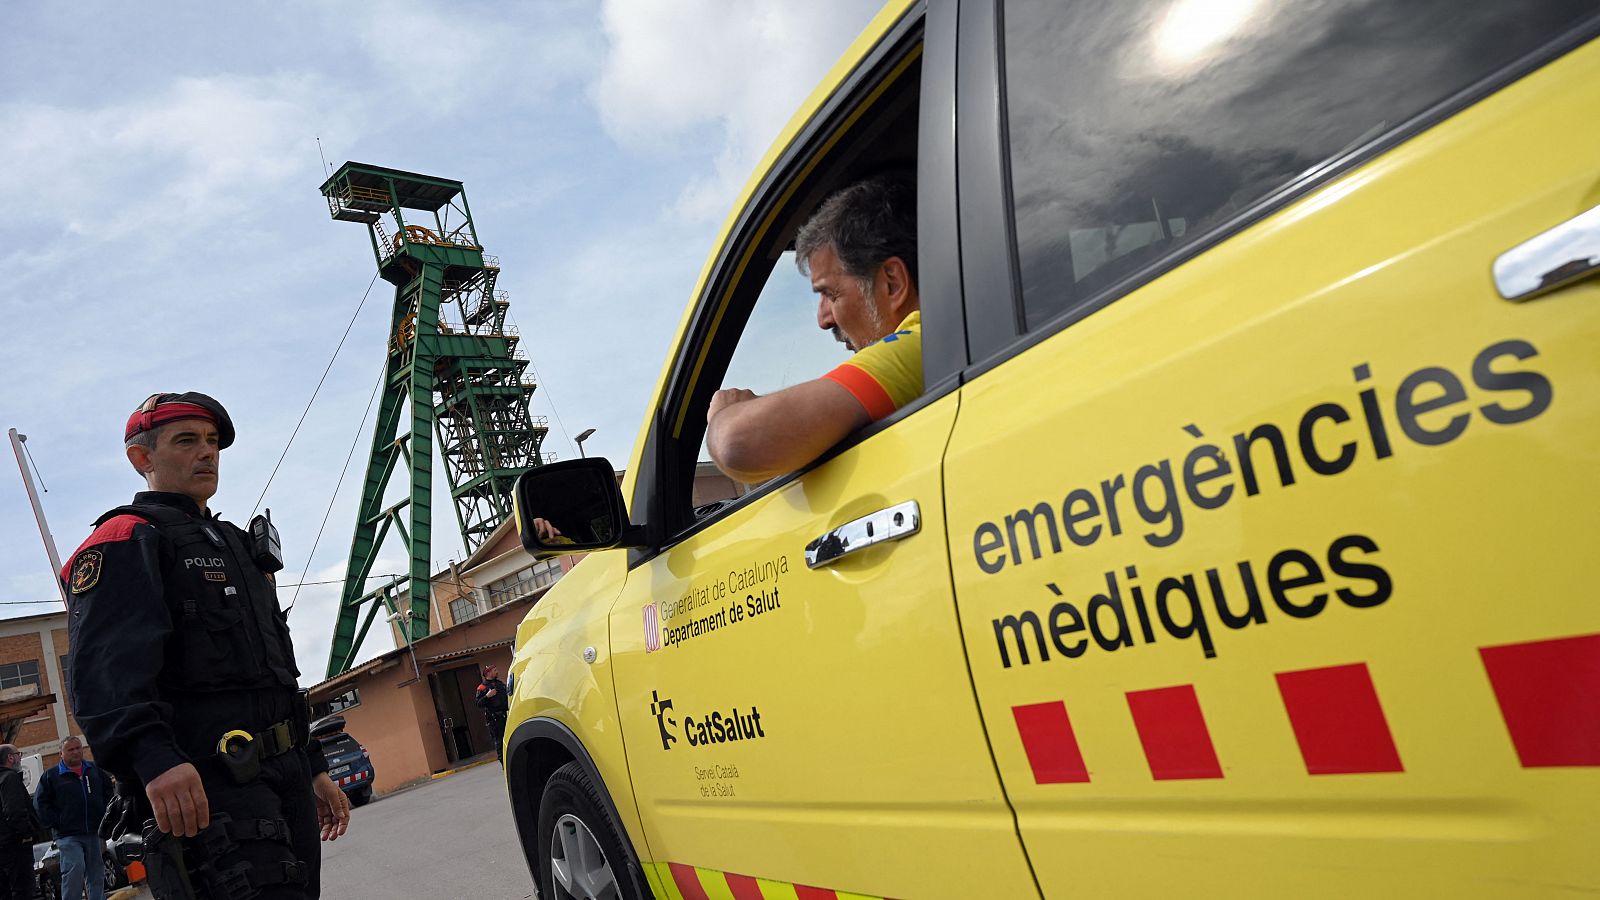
(892, 524)
(1554, 259)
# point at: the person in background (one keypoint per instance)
(17, 828)
(71, 799)
(492, 697)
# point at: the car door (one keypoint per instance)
(791, 728)
(1273, 494)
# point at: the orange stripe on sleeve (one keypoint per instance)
(866, 389)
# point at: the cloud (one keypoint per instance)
(716, 72)
(446, 58)
(195, 154)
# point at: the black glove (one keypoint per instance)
(127, 811)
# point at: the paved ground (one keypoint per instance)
(449, 838)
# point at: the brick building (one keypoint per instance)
(413, 708)
(33, 668)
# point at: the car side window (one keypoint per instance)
(779, 347)
(1138, 127)
(781, 344)
(757, 325)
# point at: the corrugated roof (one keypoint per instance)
(468, 651)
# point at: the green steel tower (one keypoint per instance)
(452, 356)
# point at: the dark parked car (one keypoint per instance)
(348, 763)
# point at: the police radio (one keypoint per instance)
(265, 548)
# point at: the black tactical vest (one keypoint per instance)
(228, 632)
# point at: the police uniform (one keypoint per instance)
(494, 710)
(177, 640)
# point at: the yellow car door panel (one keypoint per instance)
(814, 726)
(1273, 572)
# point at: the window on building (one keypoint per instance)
(516, 586)
(323, 708)
(462, 609)
(20, 673)
(545, 573)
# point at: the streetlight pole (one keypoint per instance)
(581, 438)
(38, 514)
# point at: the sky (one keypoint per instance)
(161, 228)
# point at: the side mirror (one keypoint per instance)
(572, 506)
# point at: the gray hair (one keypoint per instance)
(9, 750)
(71, 739)
(866, 224)
(146, 439)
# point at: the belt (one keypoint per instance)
(276, 740)
(240, 752)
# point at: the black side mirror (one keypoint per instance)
(572, 506)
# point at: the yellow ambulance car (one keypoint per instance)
(1243, 542)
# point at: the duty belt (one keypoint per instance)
(240, 752)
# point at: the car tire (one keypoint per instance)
(581, 851)
(361, 797)
(115, 875)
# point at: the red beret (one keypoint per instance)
(159, 409)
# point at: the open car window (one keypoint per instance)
(756, 325)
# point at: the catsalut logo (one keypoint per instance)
(716, 727)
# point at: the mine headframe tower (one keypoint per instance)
(453, 363)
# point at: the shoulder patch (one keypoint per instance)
(86, 570)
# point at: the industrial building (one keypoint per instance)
(33, 692)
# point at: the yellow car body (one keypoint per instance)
(1269, 572)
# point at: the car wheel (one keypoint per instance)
(361, 797)
(115, 875)
(581, 854)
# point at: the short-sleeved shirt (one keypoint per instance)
(887, 373)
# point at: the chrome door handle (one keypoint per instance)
(892, 524)
(1558, 257)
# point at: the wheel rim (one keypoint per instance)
(578, 867)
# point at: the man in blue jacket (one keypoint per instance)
(71, 800)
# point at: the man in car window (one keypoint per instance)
(860, 250)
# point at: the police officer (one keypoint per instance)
(491, 696)
(184, 678)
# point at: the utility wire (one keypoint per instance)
(342, 472)
(314, 391)
(35, 464)
(300, 585)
